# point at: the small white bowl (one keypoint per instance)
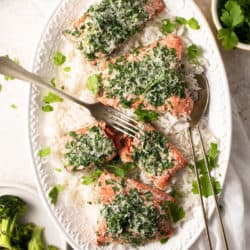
(218, 25)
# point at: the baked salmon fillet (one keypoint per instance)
(158, 159)
(105, 26)
(150, 77)
(88, 147)
(132, 212)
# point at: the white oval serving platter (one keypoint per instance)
(73, 220)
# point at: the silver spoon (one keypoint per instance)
(198, 112)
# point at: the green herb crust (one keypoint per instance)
(88, 149)
(137, 221)
(152, 154)
(154, 78)
(107, 25)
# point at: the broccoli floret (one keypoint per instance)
(51, 247)
(36, 241)
(22, 235)
(11, 208)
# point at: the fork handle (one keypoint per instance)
(10, 68)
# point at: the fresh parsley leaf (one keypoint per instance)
(94, 83)
(146, 115)
(228, 37)
(14, 106)
(51, 247)
(44, 152)
(167, 26)
(52, 81)
(206, 188)
(8, 78)
(86, 180)
(193, 24)
(180, 20)
(67, 69)
(59, 170)
(176, 194)
(232, 15)
(47, 108)
(51, 98)
(120, 169)
(176, 212)
(59, 58)
(126, 103)
(163, 241)
(54, 192)
(193, 52)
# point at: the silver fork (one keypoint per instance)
(116, 118)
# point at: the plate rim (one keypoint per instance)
(228, 99)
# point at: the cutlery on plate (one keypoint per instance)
(198, 112)
(116, 118)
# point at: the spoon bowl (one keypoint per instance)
(201, 104)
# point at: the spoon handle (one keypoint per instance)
(10, 68)
(213, 191)
(199, 189)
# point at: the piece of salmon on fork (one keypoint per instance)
(108, 24)
(132, 212)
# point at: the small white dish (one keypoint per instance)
(214, 10)
(36, 212)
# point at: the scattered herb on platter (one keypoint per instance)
(48, 99)
(164, 241)
(59, 170)
(59, 58)
(86, 180)
(120, 169)
(53, 81)
(193, 52)
(206, 188)
(235, 19)
(14, 106)
(176, 211)
(52, 98)
(44, 152)
(169, 26)
(47, 108)
(67, 69)
(146, 115)
(54, 192)
(94, 83)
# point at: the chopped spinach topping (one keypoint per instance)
(152, 154)
(107, 25)
(153, 79)
(134, 218)
(92, 147)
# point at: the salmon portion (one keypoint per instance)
(105, 26)
(130, 152)
(136, 94)
(111, 189)
(88, 146)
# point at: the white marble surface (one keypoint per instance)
(237, 63)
